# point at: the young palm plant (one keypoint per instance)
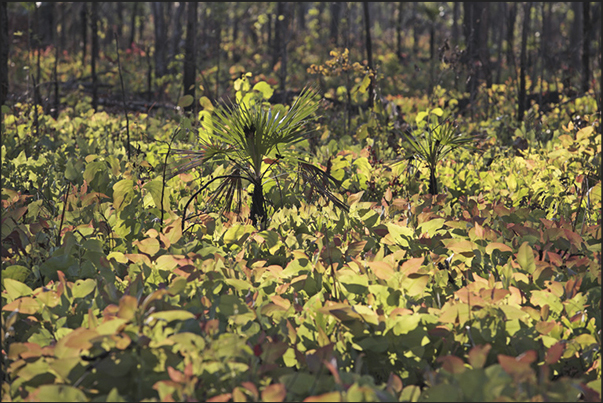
(437, 141)
(256, 142)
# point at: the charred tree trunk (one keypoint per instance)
(456, 11)
(369, 50)
(3, 53)
(119, 29)
(84, 22)
(586, 46)
(301, 16)
(335, 19)
(474, 27)
(177, 35)
(512, 17)
(189, 52)
(133, 25)
(399, 29)
(521, 104)
(160, 39)
(281, 39)
(94, 53)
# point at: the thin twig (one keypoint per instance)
(63, 215)
(164, 172)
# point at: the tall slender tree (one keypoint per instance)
(160, 39)
(133, 24)
(3, 53)
(369, 49)
(94, 53)
(189, 52)
(586, 24)
(399, 29)
(336, 8)
(522, 101)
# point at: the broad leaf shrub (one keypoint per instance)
(489, 290)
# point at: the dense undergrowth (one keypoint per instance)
(489, 290)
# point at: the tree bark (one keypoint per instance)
(120, 23)
(301, 16)
(189, 52)
(94, 53)
(177, 35)
(586, 46)
(369, 49)
(512, 17)
(521, 104)
(335, 19)
(576, 37)
(280, 41)
(456, 11)
(133, 25)
(474, 28)
(399, 29)
(84, 26)
(4, 44)
(160, 39)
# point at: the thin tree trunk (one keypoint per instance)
(301, 16)
(369, 50)
(160, 39)
(335, 19)
(120, 23)
(133, 25)
(94, 53)
(585, 46)
(456, 11)
(502, 12)
(511, 35)
(189, 52)
(523, 62)
(399, 29)
(280, 41)
(576, 37)
(84, 22)
(177, 35)
(4, 45)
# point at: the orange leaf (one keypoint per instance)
(452, 364)
(26, 305)
(554, 353)
(274, 393)
(478, 355)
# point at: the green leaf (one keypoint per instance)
(15, 288)
(421, 116)
(525, 258)
(123, 192)
(82, 288)
(185, 101)
(264, 88)
(366, 81)
(60, 393)
(437, 111)
(169, 316)
(15, 272)
(155, 188)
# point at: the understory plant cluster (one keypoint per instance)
(137, 277)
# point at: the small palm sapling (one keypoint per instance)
(254, 142)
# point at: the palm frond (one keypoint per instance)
(319, 181)
(190, 159)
